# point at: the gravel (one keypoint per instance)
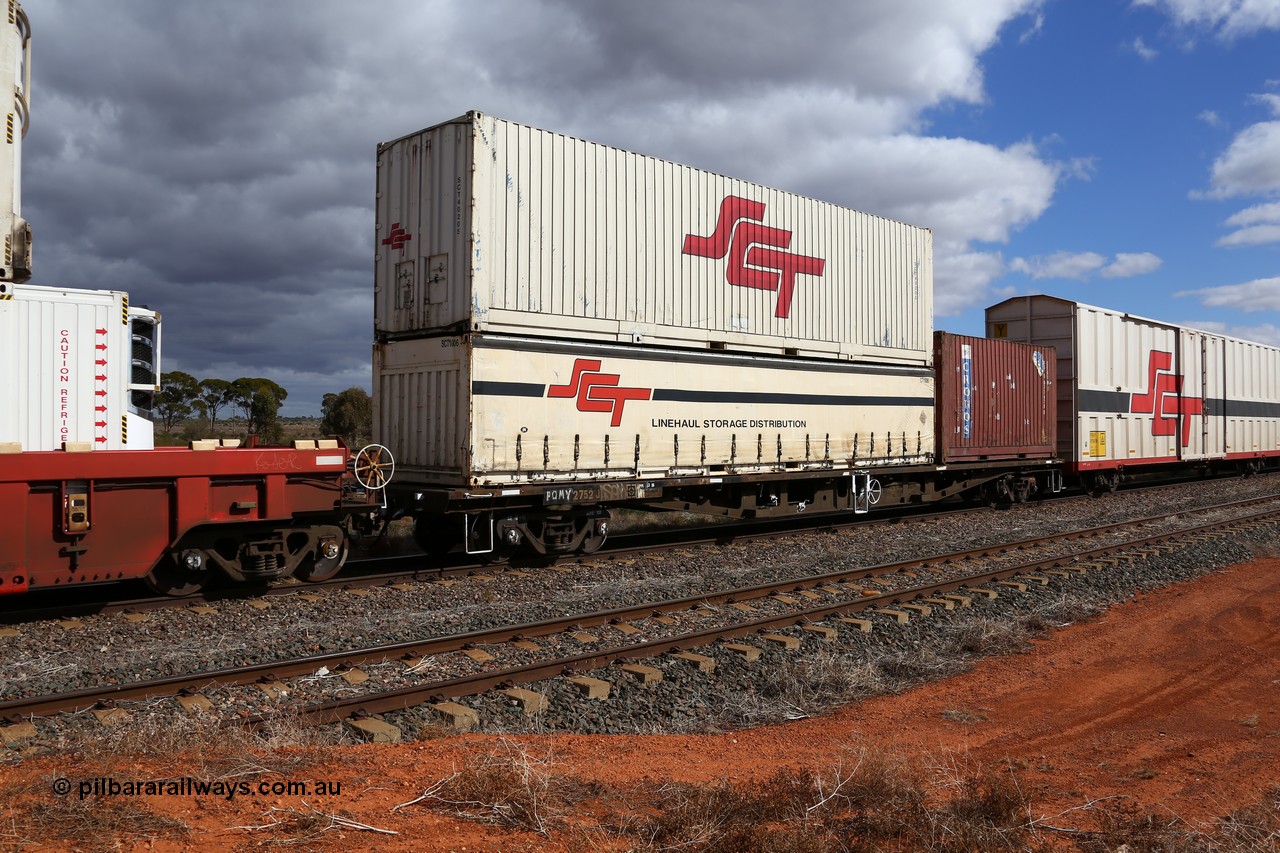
(44, 658)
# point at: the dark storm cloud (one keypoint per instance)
(204, 157)
(216, 159)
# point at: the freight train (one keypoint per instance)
(564, 328)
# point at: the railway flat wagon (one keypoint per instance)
(86, 498)
(176, 517)
(1139, 394)
(514, 430)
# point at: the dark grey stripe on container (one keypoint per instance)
(1242, 408)
(508, 389)
(1104, 401)
(1118, 402)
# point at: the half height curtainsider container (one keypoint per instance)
(485, 225)
(497, 410)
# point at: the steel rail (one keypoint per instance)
(467, 685)
(89, 697)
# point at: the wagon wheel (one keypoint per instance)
(373, 467)
(329, 557)
(171, 576)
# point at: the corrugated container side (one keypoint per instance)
(489, 225)
(421, 406)
(1251, 399)
(1145, 392)
(68, 359)
(996, 399)
(1051, 323)
(492, 410)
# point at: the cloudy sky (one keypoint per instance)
(215, 158)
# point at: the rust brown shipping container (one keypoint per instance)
(996, 399)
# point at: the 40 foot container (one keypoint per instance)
(485, 225)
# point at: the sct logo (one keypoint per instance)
(397, 238)
(754, 259)
(598, 392)
(1164, 399)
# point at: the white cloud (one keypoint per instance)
(1211, 118)
(1128, 264)
(1262, 294)
(1255, 226)
(1075, 265)
(1250, 167)
(1227, 19)
(1141, 48)
(1081, 266)
(962, 279)
(1250, 164)
(1260, 213)
(1254, 235)
(1037, 27)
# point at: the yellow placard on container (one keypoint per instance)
(1097, 443)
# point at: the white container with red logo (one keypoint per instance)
(493, 410)
(1134, 392)
(485, 225)
(80, 367)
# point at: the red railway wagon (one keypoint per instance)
(176, 517)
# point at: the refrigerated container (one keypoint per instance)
(80, 368)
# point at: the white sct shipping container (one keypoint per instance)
(492, 410)
(1134, 391)
(78, 366)
(488, 225)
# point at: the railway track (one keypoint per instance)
(414, 568)
(820, 605)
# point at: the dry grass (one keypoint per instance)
(865, 801)
(964, 716)
(204, 748)
(301, 826)
(509, 787)
(34, 816)
(284, 746)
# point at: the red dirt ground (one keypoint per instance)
(1170, 699)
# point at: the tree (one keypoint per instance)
(214, 395)
(260, 401)
(350, 415)
(176, 398)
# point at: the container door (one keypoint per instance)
(1194, 406)
(1213, 396)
